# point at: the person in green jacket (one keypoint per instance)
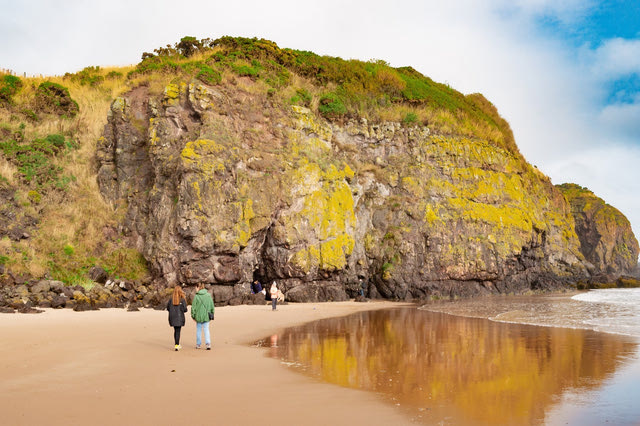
(202, 312)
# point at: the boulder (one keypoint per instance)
(42, 286)
(98, 274)
(57, 286)
(58, 302)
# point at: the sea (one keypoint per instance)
(552, 359)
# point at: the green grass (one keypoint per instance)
(410, 118)
(302, 97)
(9, 86)
(331, 106)
(208, 75)
(34, 160)
(369, 89)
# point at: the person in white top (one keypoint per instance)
(274, 296)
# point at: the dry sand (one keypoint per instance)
(117, 367)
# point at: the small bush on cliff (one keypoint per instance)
(9, 86)
(151, 64)
(331, 106)
(208, 75)
(89, 76)
(188, 46)
(244, 70)
(410, 118)
(112, 75)
(54, 98)
(69, 250)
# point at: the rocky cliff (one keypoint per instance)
(222, 186)
(231, 160)
(605, 234)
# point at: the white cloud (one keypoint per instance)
(616, 58)
(624, 118)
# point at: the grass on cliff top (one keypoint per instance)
(336, 88)
(72, 219)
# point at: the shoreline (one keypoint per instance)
(110, 365)
(470, 308)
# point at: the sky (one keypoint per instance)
(564, 73)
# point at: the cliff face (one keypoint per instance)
(605, 234)
(223, 186)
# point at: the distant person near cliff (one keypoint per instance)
(177, 306)
(274, 296)
(202, 310)
(256, 287)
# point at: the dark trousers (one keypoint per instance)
(274, 301)
(176, 334)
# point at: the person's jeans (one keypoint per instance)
(207, 336)
(274, 301)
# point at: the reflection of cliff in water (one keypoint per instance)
(439, 365)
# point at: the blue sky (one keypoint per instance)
(564, 73)
(597, 25)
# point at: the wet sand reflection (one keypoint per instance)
(450, 369)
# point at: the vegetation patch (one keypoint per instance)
(371, 89)
(331, 106)
(208, 75)
(302, 97)
(54, 98)
(89, 76)
(410, 118)
(34, 160)
(9, 86)
(244, 70)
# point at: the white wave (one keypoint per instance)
(617, 296)
(613, 310)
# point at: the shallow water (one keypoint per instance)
(612, 311)
(453, 369)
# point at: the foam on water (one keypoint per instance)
(618, 296)
(611, 311)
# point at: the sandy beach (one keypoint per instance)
(117, 367)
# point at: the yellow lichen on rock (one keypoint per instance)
(333, 252)
(306, 121)
(118, 105)
(327, 212)
(203, 155)
(153, 131)
(171, 95)
(307, 259)
(243, 224)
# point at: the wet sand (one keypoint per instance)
(117, 367)
(457, 370)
